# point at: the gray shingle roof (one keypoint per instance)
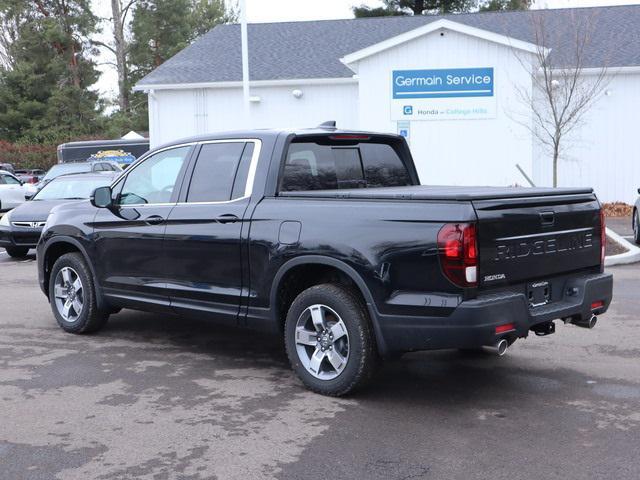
(294, 50)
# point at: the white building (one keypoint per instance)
(452, 84)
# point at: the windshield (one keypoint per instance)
(69, 188)
(64, 169)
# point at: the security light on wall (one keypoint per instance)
(297, 93)
(255, 99)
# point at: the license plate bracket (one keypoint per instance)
(538, 293)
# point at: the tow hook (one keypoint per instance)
(543, 329)
(585, 323)
(499, 348)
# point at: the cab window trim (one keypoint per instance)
(248, 190)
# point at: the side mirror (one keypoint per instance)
(101, 197)
(639, 190)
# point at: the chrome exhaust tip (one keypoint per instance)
(588, 323)
(499, 348)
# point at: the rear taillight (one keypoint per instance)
(33, 180)
(603, 237)
(458, 250)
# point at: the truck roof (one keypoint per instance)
(264, 133)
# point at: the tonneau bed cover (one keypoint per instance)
(451, 193)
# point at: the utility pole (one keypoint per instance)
(245, 63)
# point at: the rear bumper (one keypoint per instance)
(473, 323)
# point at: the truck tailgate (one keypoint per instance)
(534, 238)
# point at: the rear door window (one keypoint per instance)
(215, 172)
(314, 166)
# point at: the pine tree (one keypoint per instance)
(417, 7)
(424, 7)
(44, 88)
(159, 29)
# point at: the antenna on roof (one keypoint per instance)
(328, 124)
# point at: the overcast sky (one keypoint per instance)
(297, 10)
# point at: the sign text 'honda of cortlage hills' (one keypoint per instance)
(443, 94)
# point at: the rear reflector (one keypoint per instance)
(597, 304)
(603, 238)
(507, 327)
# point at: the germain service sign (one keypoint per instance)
(443, 94)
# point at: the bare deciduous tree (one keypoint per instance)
(8, 35)
(564, 85)
(119, 48)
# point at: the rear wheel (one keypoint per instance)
(636, 226)
(329, 340)
(72, 296)
(17, 252)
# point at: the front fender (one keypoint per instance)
(53, 243)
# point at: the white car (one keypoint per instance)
(11, 191)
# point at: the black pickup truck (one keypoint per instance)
(326, 237)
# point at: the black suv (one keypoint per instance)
(327, 238)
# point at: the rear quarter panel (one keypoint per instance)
(392, 245)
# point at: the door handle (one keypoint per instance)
(227, 218)
(154, 220)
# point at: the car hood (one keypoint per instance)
(36, 210)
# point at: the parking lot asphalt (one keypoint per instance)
(156, 397)
(622, 226)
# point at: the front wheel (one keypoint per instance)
(329, 340)
(636, 226)
(72, 296)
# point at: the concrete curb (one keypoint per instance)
(631, 256)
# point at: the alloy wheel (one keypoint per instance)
(69, 294)
(322, 342)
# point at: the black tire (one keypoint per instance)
(636, 227)
(91, 319)
(17, 252)
(362, 358)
